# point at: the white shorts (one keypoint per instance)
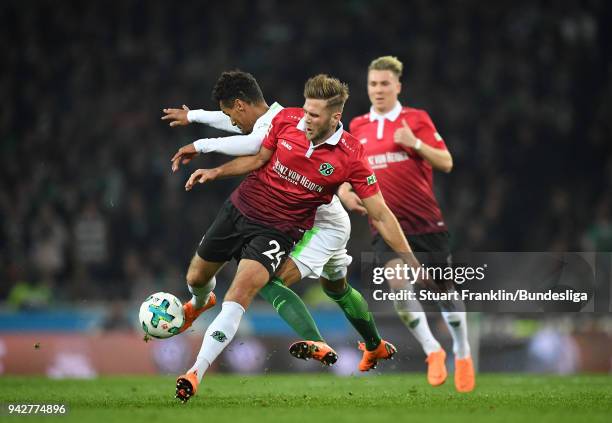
(322, 251)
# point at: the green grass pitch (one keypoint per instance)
(317, 398)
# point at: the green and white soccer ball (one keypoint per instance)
(161, 315)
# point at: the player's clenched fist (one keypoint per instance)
(404, 136)
(177, 117)
(201, 176)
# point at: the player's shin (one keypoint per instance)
(412, 315)
(355, 308)
(218, 336)
(291, 309)
(455, 317)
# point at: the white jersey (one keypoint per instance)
(234, 145)
(328, 215)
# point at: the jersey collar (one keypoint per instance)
(391, 114)
(333, 140)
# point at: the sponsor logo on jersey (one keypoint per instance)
(294, 177)
(363, 140)
(371, 179)
(380, 161)
(326, 169)
(286, 145)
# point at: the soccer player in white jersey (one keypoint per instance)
(322, 251)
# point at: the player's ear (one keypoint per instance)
(336, 116)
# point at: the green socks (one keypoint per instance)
(356, 310)
(291, 309)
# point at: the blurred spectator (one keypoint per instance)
(598, 236)
(90, 237)
(30, 296)
(49, 241)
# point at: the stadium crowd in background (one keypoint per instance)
(89, 208)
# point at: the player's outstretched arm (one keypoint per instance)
(236, 167)
(389, 228)
(185, 116)
(235, 145)
(440, 159)
(177, 117)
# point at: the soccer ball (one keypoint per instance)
(161, 315)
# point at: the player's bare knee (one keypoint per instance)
(195, 278)
(201, 271)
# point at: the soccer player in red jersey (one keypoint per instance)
(303, 160)
(321, 253)
(403, 147)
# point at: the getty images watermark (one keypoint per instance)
(458, 275)
(523, 282)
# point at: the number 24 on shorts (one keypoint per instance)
(274, 254)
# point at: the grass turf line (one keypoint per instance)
(321, 398)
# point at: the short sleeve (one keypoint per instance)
(273, 129)
(362, 177)
(427, 132)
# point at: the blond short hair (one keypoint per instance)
(390, 63)
(325, 87)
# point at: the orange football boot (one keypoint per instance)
(465, 379)
(436, 368)
(384, 351)
(191, 313)
(318, 350)
(186, 386)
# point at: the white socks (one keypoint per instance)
(415, 319)
(413, 316)
(457, 325)
(200, 294)
(417, 323)
(218, 336)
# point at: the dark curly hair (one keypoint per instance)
(237, 84)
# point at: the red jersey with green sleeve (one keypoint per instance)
(286, 191)
(405, 179)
